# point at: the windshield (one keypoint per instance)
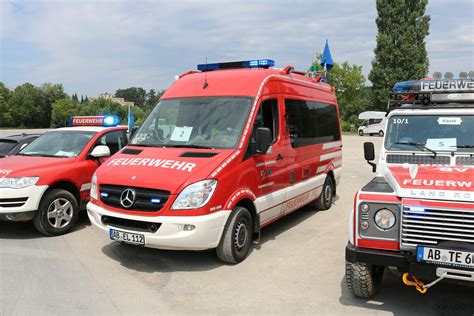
(58, 144)
(434, 132)
(209, 122)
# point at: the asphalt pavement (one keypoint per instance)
(298, 268)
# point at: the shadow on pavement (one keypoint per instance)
(154, 260)
(26, 230)
(445, 298)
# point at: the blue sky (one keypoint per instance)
(97, 46)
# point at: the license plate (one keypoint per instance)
(129, 238)
(453, 258)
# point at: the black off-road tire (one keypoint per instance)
(66, 222)
(236, 239)
(363, 280)
(324, 201)
(361, 133)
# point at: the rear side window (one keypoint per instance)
(311, 123)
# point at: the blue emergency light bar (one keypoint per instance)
(104, 120)
(434, 86)
(257, 63)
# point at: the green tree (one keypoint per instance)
(74, 97)
(52, 93)
(153, 97)
(5, 115)
(352, 95)
(27, 106)
(61, 110)
(132, 94)
(400, 53)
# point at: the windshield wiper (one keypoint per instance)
(43, 155)
(190, 146)
(422, 146)
(464, 146)
(146, 145)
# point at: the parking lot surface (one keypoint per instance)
(298, 268)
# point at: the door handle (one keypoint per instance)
(279, 157)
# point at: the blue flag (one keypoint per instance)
(326, 59)
(131, 119)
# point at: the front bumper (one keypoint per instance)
(170, 234)
(405, 262)
(16, 201)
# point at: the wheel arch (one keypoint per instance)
(249, 205)
(68, 186)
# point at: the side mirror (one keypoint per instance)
(100, 151)
(264, 139)
(369, 155)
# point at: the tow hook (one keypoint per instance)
(420, 286)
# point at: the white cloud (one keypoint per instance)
(97, 46)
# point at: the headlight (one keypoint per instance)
(18, 183)
(93, 192)
(385, 219)
(195, 195)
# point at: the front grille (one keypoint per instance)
(419, 159)
(13, 202)
(110, 195)
(432, 225)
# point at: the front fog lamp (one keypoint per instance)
(195, 195)
(364, 207)
(385, 219)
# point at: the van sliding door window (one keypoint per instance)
(311, 123)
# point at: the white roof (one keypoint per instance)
(371, 115)
(86, 128)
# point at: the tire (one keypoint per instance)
(362, 279)
(381, 133)
(324, 201)
(237, 237)
(361, 133)
(63, 211)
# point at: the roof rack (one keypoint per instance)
(426, 94)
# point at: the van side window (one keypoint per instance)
(115, 140)
(311, 123)
(267, 116)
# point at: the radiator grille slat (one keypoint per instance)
(432, 225)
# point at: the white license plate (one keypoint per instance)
(453, 258)
(129, 238)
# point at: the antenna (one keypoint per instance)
(205, 84)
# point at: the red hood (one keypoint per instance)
(159, 168)
(435, 182)
(22, 166)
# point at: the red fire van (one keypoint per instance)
(228, 149)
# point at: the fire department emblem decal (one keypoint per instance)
(413, 169)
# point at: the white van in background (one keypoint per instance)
(373, 123)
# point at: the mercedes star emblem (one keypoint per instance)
(127, 198)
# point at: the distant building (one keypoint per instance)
(110, 96)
